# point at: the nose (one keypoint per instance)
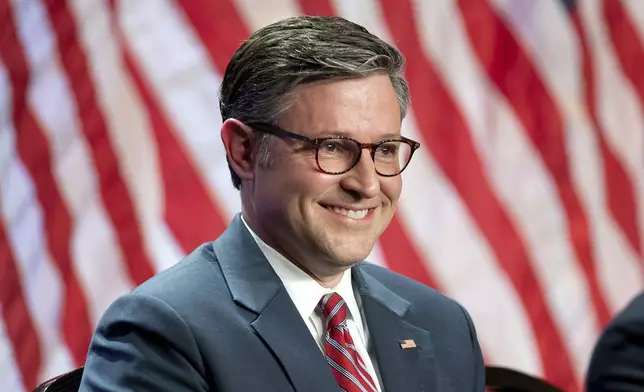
(362, 179)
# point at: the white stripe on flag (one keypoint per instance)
(377, 257)
(128, 127)
(187, 88)
(11, 379)
(257, 14)
(6, 148)
(23, 219)
(366, 13)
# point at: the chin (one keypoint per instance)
(348, 254)
(354, 258)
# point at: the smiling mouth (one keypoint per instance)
(353, 214)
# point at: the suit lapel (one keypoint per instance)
(282, 329)
(401, 369)
(255, 286)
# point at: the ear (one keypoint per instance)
(237, 141)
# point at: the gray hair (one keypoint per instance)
(263, 73)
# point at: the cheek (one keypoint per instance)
(391, 188)
(289, 177)
(313, 183)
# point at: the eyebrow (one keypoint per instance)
(328, 133)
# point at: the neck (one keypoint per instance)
(326, 281)
(325, 277)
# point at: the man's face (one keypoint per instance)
(306, 212)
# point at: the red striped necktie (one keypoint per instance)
(348, 368)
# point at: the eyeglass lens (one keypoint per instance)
(339, 155)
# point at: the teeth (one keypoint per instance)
(360, 214)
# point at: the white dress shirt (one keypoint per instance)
(306, 293)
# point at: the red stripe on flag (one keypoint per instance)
(510, 69)
(34, 151)
(619, 189)
(17, 320)
(190, 213)
(401, 255)
(317, 7)
(626, 41)
(219, 26)
(447, 137)
(114, 192)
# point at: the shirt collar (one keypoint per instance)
(304, 291)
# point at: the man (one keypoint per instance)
(617, 363)
(282, 301)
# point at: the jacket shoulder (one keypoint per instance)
(411, 290)
(631, 317)
(195, 276)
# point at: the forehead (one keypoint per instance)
(363, 108)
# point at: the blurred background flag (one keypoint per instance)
(525, 201)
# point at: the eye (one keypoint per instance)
(336, 147)
(329, 147)
(388, 149)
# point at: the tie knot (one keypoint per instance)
(334, 310)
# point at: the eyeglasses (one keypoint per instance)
(339, 154)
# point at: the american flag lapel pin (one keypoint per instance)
(408, 343)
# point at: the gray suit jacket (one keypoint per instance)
(617, 363)
(221, 320)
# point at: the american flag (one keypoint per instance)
(525, 202)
